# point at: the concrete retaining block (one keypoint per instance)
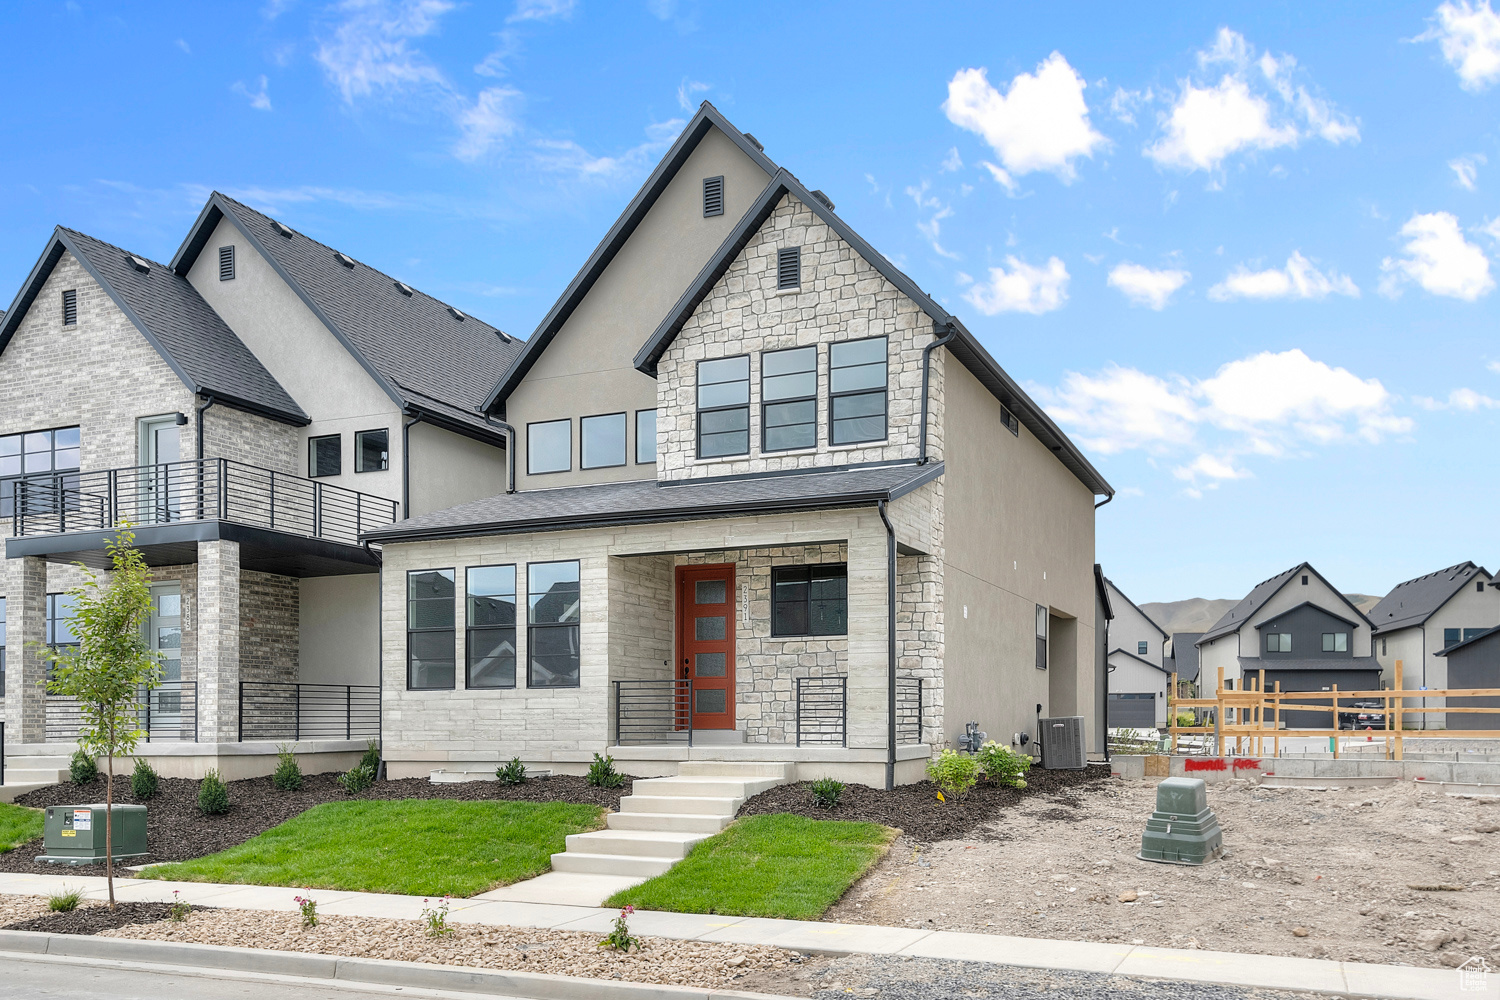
(1128, 765)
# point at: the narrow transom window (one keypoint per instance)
(372, 450)
(713, 196)
(70, 306)
(226, 263)
(810, 600)
(325, 455)
(788, 268)
(430, 640)
(552, 638)
(645, 437)
(1009, 420)
(724, 407)
(490, 641)
(857, 384)
(789, 399)
(602, 443)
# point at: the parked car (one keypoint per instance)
(1363, 715)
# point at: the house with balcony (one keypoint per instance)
(771, 502)
(251, 409)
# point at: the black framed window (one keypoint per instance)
(2, 646)
(1278, 642)
(549, 447)
(789, 399)
(645, 437)
(553, 602)
(372, 450)
(70, 307)
(1472, 633)
(810, 600)
(490, 639)
(325, 455)
(602, 441)
(60, 609)
(36, 454)
(856, 390)
(1140, 648)
(724, 407)
(1009, 420)
(1041, 637)
(430, 640)
(1335, 642)
(1452, 637)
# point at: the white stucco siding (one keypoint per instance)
(1131, 627)
(339, 630)
(1469, 608)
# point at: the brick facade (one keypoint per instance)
(269, 611)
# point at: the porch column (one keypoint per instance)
(218, 616)
(868, 626)
(25, 670)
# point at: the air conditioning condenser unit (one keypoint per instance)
(1062, 743)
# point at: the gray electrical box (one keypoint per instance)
(74, 835)
(1062, 743)
(1183, 830)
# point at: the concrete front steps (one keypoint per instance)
(661, 820)
(28, 772)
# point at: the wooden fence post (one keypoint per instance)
(1400, 704)
(1172, 711)
(1335, 722)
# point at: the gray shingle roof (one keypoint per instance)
(194, 341)
(1185, 654)
(1413, 602)
(413, 345)
(1249, 604)
(644, 502)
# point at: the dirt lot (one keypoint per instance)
(1339, 864)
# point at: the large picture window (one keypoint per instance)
(549, 447)
(490, 640)
(430, 639)
(724, 407)
(789, 399)
(856, 390)
(36, 454)
(645, 437)
(810, 600)
(603, 441)
(552, 617)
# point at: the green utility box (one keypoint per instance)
(74, 835)
(1183, 830)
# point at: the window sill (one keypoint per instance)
(788, 291)
(882, 443)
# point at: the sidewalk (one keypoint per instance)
(1271, 972)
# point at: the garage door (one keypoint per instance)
(1132, 711)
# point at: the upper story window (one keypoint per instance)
(789, 399)
(70, 307)
(810, 600)
(60, 608)
(1009, 420)
(788, 268)
(430, 641)
(226, 263)
(1335, 642)
(1454, 636)
(602, 443)
(34, 454)
(856, 390)
(372, 450)
(325, 455)
(713, 196)
(552, 635)
(1140, 648)
(1278, 642)
(549, 447)
(645, 437)
(491, 637)
(724, 407)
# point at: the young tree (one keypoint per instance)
(110, 666)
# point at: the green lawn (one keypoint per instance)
(18, 825)
(419, 847)
(766, 866)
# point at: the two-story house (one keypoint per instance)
(1138, 676)
(772, 502)
(250, 409)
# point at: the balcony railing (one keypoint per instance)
(168, 713)
(908, 710)
(271, 710)
(822, 711)
(653, 712)
(210, 489)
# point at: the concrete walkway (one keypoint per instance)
(1271, 972)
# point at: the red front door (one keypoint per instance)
(705, 642)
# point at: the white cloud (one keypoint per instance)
(1439, 259)
(932, 228)
(568, 157)
(1145, 287)
(1212, 468)
(1123, 104)
(686, 90)
(369, 51)
(1466, 400)
(489, 119)
(1466, 170)
(1022, 288)
(542, 10)
(184, 46)
(493, 64)
(1300, 279)
(259, 99)
(1469, 36)
(952, 161)
(1494, 366)
(1041, 123)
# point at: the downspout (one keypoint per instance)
(890, 638)
(510, 448)
(406, 464)
(943, 338)
(1106, 500)
(201, 410)
(1104, 708)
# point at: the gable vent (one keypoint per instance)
(713, 196)
(824, 199)
(70, 307)
(282, 228)
(788, 268)
(344, 259)
(226, 263)
(403, 288)
(138, 263)
(456, 314)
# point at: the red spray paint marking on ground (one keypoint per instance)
(1212, 764)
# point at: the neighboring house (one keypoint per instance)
(769, 493)
(1473, 663)
(1301, 632)
(251, 408)
(1420, 618)
(1137, 677)
(1182, 660)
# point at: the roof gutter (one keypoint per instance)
(890, 648)
(945, 334)
(510, 448)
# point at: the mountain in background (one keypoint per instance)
(1198, 614)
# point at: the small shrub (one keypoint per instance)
(1186, 719)
(437, 919)
(513, 773)
(82, 768)
(371, 758)
(177, 910)
(1002, 765)
(213, 795)
(619, 937)
(826, 792)
(288, 774)
(65, 901)
(143, 780)
(953, 772)
(357, 779)
(602, 773)
(309, 908)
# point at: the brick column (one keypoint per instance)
(25, 670)
(218, 641)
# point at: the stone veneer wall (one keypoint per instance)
(270, 609)
(640, 618)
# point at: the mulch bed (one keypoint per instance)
(93, 919)
(916, 811)
(177, 831)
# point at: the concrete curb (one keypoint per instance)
(366, 971)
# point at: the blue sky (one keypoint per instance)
(1245, 254)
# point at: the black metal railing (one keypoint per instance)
(279, 710)
(822, 711)
(652, 712)
(166, 714)
(908, 710)
(210, 489)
